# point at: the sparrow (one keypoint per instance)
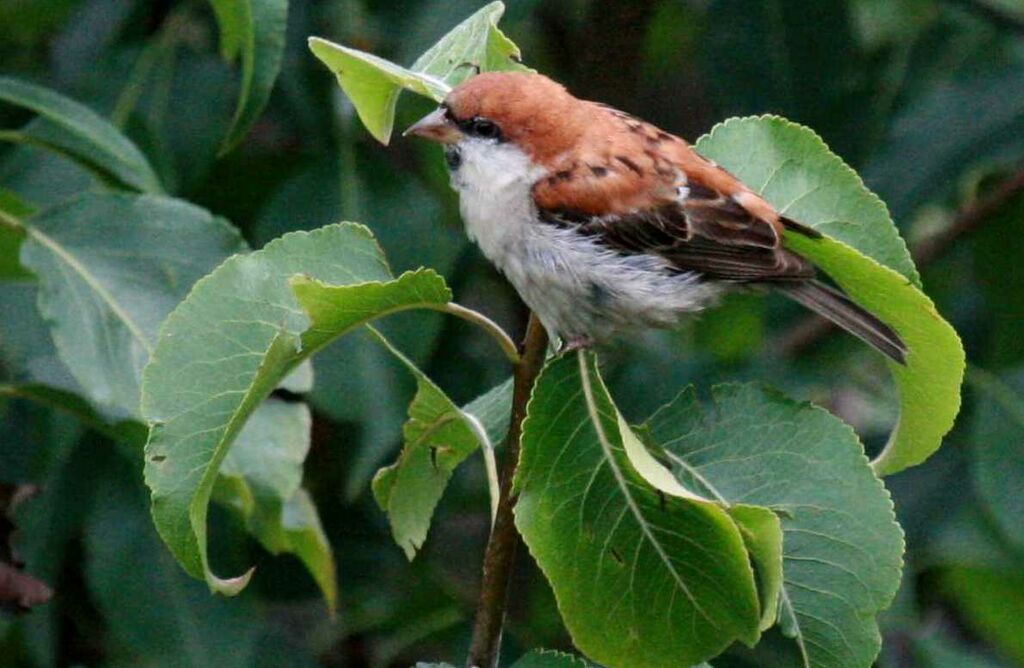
(605, 223)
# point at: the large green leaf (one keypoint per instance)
(105, 300)
(641, 578)
(842, 548)
(255, 29)
(75, 130)
(374, 84)
(476, 43)
(166, 246)
(998, 448)
(260, 478)
(438, 437)
(237, 335)
(791, 167)
(864, 255)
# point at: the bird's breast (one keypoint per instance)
(494, 182)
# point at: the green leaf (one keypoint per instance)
(672, 574)
(76, 131)
(261, 477)
(992, 603)
(374, 84)
(762, 534)
(864, 255)
(842, 548)
(929, 384)
(438, 437)
(546, 658)
(256, 29)
(239, 333)
(475, 43)
(791, 167)
(998, 448)
(105, 301)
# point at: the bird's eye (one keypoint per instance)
(481, 127)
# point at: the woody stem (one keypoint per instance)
(499, 556)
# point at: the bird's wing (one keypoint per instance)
(643, 190)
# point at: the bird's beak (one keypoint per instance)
(435, 126)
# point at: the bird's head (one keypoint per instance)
(530, 111)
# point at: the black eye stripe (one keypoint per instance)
(477, 126)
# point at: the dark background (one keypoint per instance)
(925, 98)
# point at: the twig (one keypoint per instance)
(814, 328)
(499, 556)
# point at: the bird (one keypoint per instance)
(605, 224)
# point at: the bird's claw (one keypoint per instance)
(575, 343)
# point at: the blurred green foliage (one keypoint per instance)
(924, 97)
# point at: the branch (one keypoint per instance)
(968, 219)
(499, 556)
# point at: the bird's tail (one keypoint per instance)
(841, 310)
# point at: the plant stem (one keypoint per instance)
(469, 315)
(500, 554)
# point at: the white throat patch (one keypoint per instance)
(494, 182)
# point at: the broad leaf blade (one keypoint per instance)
(240, 332)
(104, 302)
(842, 548)
(762, 534)
(929, 384)
(260, 478)
(863, 253)
(475, 44)
(791, 167)
(438, 437)
(374, 84)
(77, 131)
(256, 30)
(672, 574)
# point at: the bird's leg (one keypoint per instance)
(573, 343)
